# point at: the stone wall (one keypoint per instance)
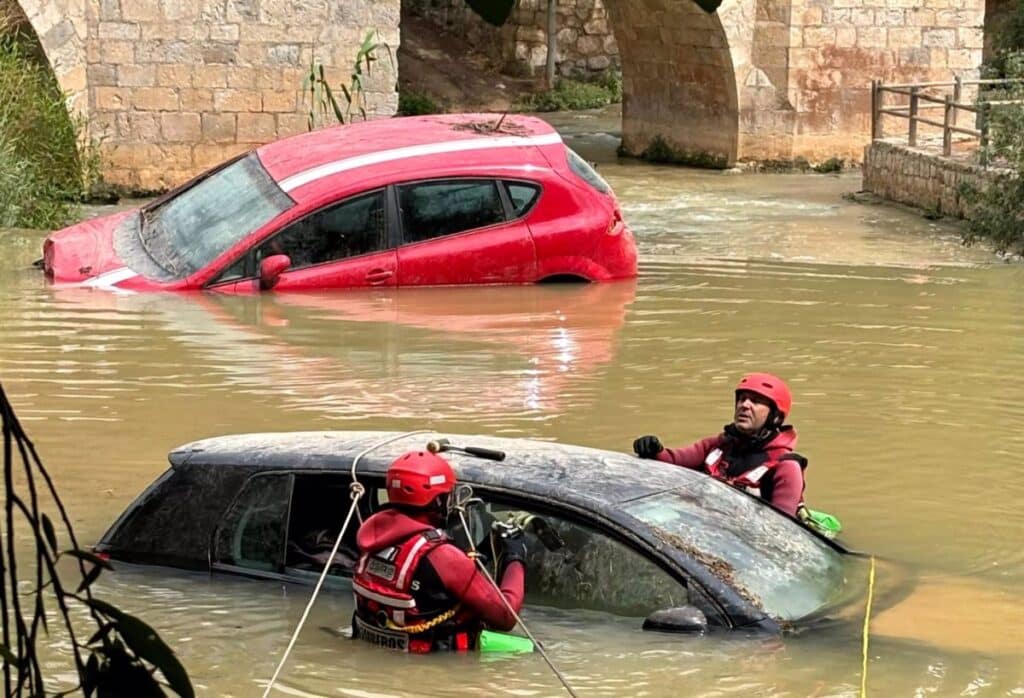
(173, 87)
(586, 43)
(918, 178)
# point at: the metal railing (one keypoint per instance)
(950, 103)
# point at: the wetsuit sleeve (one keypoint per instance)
(691, 456)
(464, 580)
(788, 486)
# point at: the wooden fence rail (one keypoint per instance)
(918, 101)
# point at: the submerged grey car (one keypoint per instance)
(624, 536)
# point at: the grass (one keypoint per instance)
(45, 170)
(570, 95)
(413, 104)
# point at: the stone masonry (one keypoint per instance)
(585, 42)
(760, 79)
(172, 87)
(919, 178)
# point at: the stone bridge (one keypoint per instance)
(171, 87)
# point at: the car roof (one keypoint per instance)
(295, 160)
(588, 477)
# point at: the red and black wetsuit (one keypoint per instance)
(412, 582)
(781, 483)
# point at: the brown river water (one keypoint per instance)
(903, 348)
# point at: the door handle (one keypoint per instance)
(379, 276)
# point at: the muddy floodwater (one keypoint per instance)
(904, 351)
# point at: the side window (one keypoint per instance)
(320, 503)
(252, 532)
(236, 271)
(523, 196)
(433, 209)
(585, 172)
(591, 570)
(349, 229)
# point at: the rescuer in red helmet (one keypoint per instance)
(416, 591)
(755, 452)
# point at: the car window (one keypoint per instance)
(770, 559)
(252, 533)
(587, 173)
(592, 570)
(319, 507)
(433, 209)
(523, 196)
(354, 227)
(184, 233)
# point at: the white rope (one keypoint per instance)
(356, 491)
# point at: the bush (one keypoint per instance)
(576, 94)
(413, 104)
(44, 167)
(995, 209)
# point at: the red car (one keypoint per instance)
(433, 200)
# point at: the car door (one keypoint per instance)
(461, 231)
(583, 566)
(344, 245)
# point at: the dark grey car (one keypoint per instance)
(637, 537)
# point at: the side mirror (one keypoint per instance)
(682, 619)
(271, 269)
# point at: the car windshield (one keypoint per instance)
(187, 231)
(769, 559)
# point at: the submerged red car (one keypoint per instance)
(416, 201)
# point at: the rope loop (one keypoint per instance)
(356, 490)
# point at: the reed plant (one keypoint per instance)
(46, 164)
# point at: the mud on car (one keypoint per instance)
(414, 201)
(674, 546)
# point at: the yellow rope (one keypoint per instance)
(867, 622)
(425, 625)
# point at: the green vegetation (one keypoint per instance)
(586, 93)
(833, 164)
(46, 167)
(995, 206)
(323, 105)
(114, 654)
(413, 104)
(659, 150)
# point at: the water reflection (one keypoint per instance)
(356, 353)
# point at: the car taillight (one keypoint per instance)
(616, 225)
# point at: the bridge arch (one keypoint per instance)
(61, 27)
(679, 81)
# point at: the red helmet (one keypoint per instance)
(418, 477)
(771, 387)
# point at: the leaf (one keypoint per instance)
(495, 12)
(146, 643)
(708, 6)
(90, 577)
(89, 557)
(91, 675)
(9, 657)
(101, 633)
(51, 535)
(41, 613)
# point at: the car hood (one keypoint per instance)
(84, 250)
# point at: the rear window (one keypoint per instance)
(523, 196)
(587, 173)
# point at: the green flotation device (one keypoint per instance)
(492, 642)
(820, 522)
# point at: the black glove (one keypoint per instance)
(648, 447)
(511, 542)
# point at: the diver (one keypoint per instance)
(415, 590)
(754, 452)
